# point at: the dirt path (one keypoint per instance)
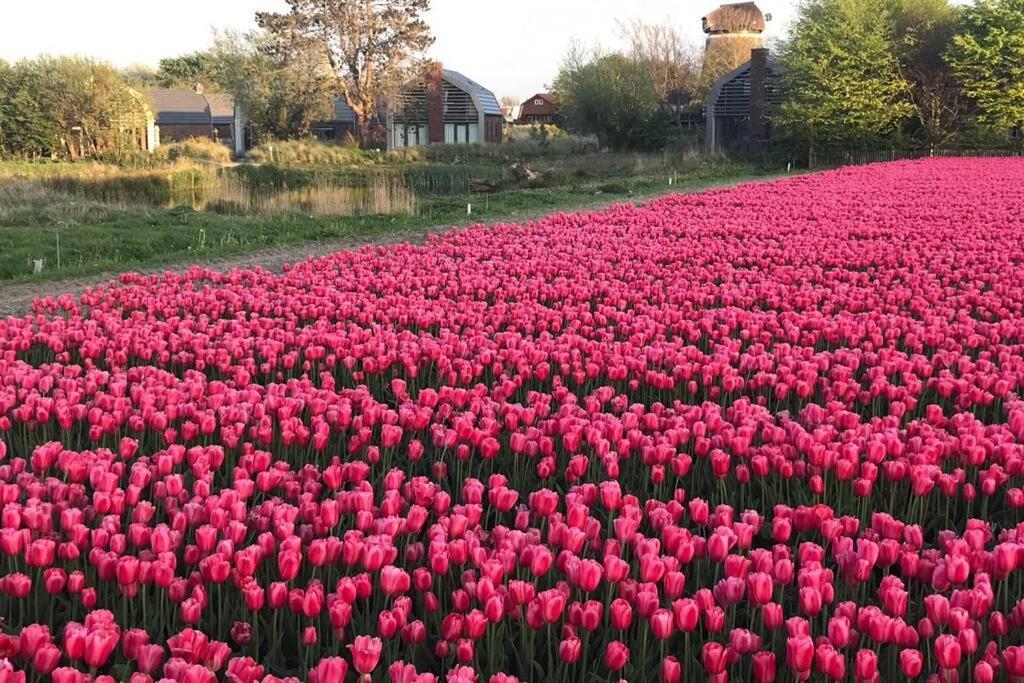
(16, 299)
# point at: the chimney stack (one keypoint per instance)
(435, 103)
(757, 130)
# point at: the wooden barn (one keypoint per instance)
(443, 107)
(740, 105)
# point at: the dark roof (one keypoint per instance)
(734, 18)
(342, 112)
(488, 102)
(189, 107)
(222, 107)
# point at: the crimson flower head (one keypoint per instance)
(671, 670)
(329, 670)
(366, 653)
(616, 655)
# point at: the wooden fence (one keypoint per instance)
(857, 157)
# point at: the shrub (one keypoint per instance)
(310, 153)
(194, 149)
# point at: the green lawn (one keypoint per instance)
(97, 238)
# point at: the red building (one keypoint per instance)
(542, 108)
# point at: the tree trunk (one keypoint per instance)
(364, 132)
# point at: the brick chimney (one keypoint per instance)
(757, 131)
(435, 103)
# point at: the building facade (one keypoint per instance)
(183, 114)
(443, 107)
(542, 108)
(740, 106)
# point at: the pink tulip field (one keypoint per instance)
(766, 433)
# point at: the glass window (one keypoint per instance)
(473, 133)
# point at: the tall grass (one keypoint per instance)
(236, 194)
(31, 203)
(72, 194)
(111, 184)
(194, 149)
(310, 154)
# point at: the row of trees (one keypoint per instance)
(285, 75)
(854, 73)
(283, 92)
(865, 72)
(70, 106)
(630, 99)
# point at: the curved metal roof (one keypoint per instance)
(488, 103)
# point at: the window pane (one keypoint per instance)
(473, 133)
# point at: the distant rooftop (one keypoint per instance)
(189, 107)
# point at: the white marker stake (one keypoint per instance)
(469, 209)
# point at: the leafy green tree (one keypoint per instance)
(841, 79)
(6, 78)
(283, 93)
(611, 96)
(186, 71)
(367, 48)
(93, 110)
(29, 129)
(141, 77)
(987, 58)
(923, 31)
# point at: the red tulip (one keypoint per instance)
(616, 655)
(569, 650)
(947, 651)
(671, 670)
(764, 667)
(329, 670)
(366, 653)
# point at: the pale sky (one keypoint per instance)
(512, 47)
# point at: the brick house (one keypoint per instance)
(443, 107)
(542, 108)
(183, 114)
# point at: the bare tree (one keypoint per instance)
(370, 46)
(674, 62)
